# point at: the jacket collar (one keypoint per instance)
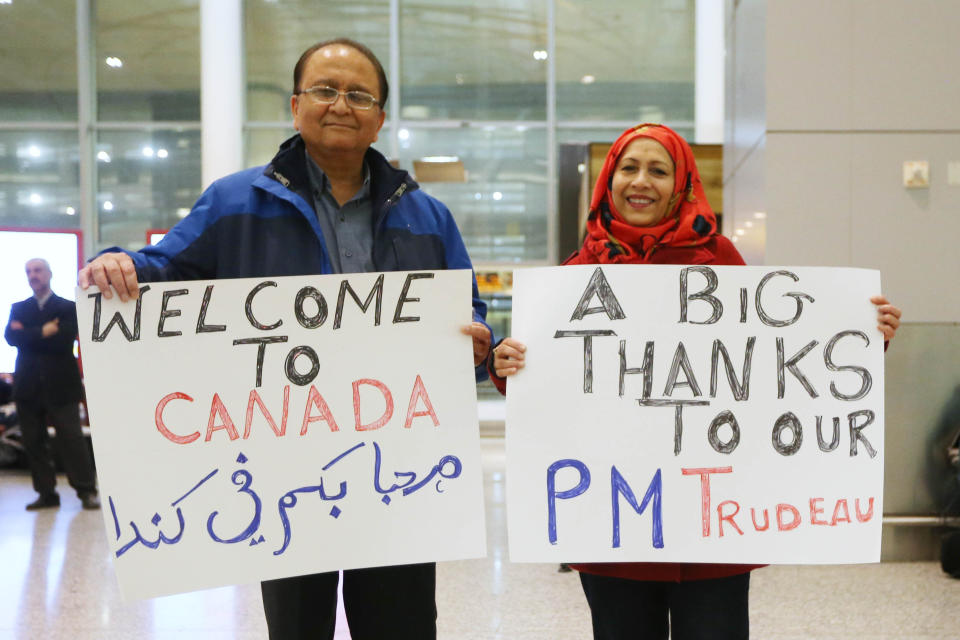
(289, 169)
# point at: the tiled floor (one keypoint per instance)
(56, 581)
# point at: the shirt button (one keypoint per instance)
(348, 254)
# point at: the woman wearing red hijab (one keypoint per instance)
(649, 207)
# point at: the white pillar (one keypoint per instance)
(86, 119)
(393, 76)
(709, 83)
(553, 149)
(222, 94)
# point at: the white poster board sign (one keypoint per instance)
(696, 414)
(255, 429)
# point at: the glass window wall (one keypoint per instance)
(260, 145)
(473, 61)
(38, 47)
(148, 60)
(470, 80)
(500, 205)
(587, 135)
(39, 183)
(278, 32)
(146, 180)
(631, 61)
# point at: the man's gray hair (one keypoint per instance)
(43, 260)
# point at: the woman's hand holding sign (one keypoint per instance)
(888, 317)
(508, 357)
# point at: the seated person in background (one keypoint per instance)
(6, 394)
(648, 207)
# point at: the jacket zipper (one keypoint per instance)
(392, 200)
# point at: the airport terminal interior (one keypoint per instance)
(826, 133)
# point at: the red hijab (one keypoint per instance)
(689, 220)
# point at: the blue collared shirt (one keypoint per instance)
(348, 230)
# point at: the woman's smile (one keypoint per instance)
(643, 182)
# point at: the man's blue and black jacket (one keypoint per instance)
(260, 223)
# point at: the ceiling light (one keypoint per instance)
(588, 79)
(70, 211)
(114, 62)
(439, 159)
(183, 212)
(29, 151)
(147, 152)
(6, 1)
(540, 54)
(497, 195)
(108, 206)
(35, 198)
(162, 153)
(740, 232)
(403, 134)
(748, 224)
(759, 215)
(103, 156)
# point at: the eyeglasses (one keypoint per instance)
(329, 95)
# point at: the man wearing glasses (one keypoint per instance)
(326, 203)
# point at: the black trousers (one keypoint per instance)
(69, 442)
(714, 609)
(396, 603)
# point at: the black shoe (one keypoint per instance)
(47, 501)
(90, 501)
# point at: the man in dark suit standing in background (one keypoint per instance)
(47, 389)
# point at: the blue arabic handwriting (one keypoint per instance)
(113, 512)
(410, 476)
(138, 537)
(342, 456)
(152, 544)
(411, 485)
(438, 468)
(243, 479)
(195, 487)
(448, 467)
(289, 499)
